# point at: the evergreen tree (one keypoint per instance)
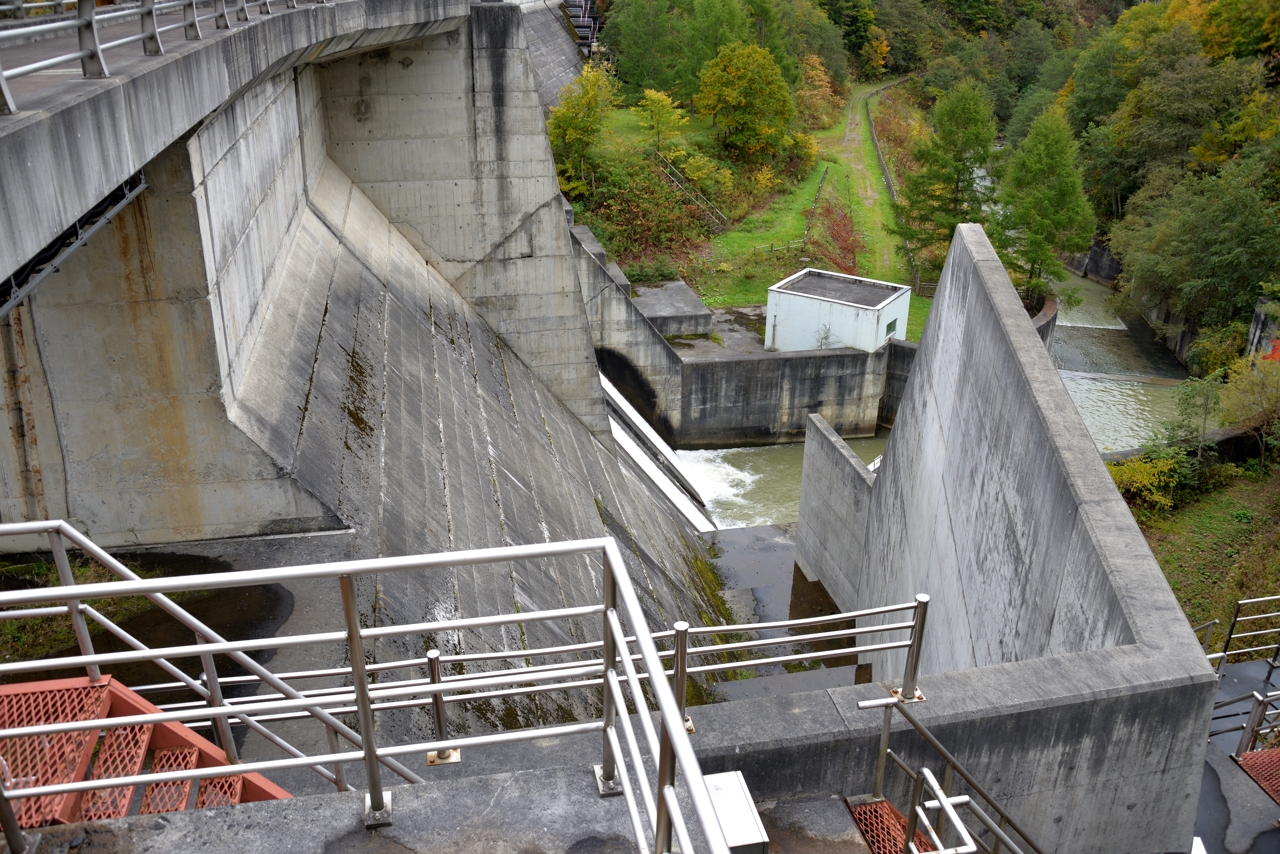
(1043, 209)
(646, 40)
(947, 188)
(712, 25)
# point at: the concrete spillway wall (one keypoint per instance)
(257, 344)
(1062, 667)
(721, 402)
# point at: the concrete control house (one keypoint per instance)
(298, 341)
(820, 310)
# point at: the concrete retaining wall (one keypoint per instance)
(902, 355)
(1058, 659)
(743, 400)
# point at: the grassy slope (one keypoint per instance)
(1221, 548)
(737, 275)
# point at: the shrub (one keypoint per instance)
(1146, 482)
(659, 269)
(637, 212)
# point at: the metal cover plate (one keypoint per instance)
(736, 812)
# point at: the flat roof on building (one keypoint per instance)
(854, 290)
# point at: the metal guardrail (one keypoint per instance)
(87, 27)
(991, 835)
(714, 216)
(1259, 631)
(577, 667)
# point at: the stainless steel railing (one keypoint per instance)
(1254, 631)
(1263, 721)
(87, 25)
(591, 667)
(981, 833)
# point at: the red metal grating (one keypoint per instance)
(885, 828)
(219, 791)
(1264, 767)
(43, 760)
(121, 755)
(172, 796)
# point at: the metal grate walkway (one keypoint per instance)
(884, 827)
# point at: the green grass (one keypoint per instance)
(623, 129)
(917, 314)
(1220, 548)
(783, 220)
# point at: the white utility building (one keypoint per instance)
(821, 310)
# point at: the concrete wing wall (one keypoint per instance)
(991, 497)
(446, 136)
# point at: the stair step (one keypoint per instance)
(219, 791)
(121, 755)
(172, 796)
(34, 760)
(885, 828)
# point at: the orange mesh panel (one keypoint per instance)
(121, 755)
(219, 791)
(172, 796)
(44, 760)
(885, 828)
(1264, 767)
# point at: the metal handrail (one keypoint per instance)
(1219, 659)
(88, 21)
(590, 666)
(1000, 828)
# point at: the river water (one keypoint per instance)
(1118, 374)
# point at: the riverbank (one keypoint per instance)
(1222, 547)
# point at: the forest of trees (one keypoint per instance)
(1049, 121)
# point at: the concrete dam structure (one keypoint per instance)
(347, 320)
(345, 301)
(1052, 624)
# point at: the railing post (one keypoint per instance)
(7, 106)
(66, 579)
(93, 64)
(917, 790)
(681, 666)
(220, 723)
(9, 822)
(377, 806)
(666, 777)
(1250, 733)
(448, 755)
(150, 38)
(877, 791)
(995, 849)
(191, 16)
(912, 671)
(947, 777)
(607, 771)
(1231, 630)
(220, 20)
(339, 777)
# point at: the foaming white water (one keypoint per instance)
(757, 486)
(722, 485)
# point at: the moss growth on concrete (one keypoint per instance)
(41, 637)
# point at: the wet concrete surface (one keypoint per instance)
(1235, 816)
(763, 585)
(1135, 351)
